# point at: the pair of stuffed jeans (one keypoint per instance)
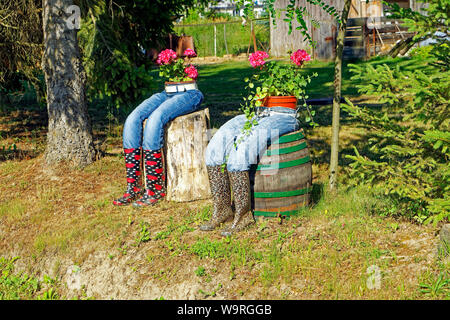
(239, 151)
(159, 109)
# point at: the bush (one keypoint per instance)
(406, 157)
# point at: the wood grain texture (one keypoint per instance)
(185, 142)
(278, 184)
(184, 149)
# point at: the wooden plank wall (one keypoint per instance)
(282, 42)
(325, 36)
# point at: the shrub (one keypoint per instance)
(406, 157)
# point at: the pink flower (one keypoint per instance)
(166, 56)
(257, 58)
(192, 72)
(189, 53)
(300, 56)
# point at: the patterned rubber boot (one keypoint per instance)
(221, 193)
(133, 169)
(243, 217)
(154, 177)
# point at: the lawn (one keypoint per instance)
(61, 238)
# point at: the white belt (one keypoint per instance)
(172, 88)
(266, 113)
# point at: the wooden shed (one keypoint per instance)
(361, 12)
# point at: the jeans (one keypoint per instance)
(225, 146)
(159, 109)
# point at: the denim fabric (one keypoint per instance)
(239, 156)
(159, 109)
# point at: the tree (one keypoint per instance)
(115, 39)
(406, 158)
(337, 96)
(133, 26)
(69, 134)
(21, 45)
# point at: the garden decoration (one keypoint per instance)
(178, 71)
(277, 84)
(285, 166)
(143, 145)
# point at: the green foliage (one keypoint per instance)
(237, 36)
(275, 78)
(432, 24)
(408, 147)
(293, 11)
(436, 286)
(114, 39)
(174, 71)
(144, 233)
(421, 52)
(20, 286)
(13, 286)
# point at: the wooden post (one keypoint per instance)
(253, 37)
(225, 37)
(367, 35)
(313, 47)
(374, 42)
(334, 157)
(215, 41)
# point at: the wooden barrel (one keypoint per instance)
(282, 180)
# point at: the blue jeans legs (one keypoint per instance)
(239, 151)
(159, 109)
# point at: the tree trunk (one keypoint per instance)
(186, 139)
(69, 129)
(402, 47)
(337, 96)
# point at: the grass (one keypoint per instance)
(54, 218)
(237, 37)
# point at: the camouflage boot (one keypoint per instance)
(243, 217)
(221, 193)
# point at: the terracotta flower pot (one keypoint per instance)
(281, 101)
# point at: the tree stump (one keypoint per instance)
(185, 142)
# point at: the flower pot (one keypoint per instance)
(281, 101)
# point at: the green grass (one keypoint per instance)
(237, 38)
(21, 286)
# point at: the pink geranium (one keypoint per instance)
(300, 56)
(166, 57)
(257, 58)
(192, 72)
(189, 53)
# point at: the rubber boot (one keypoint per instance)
(133, 169)
(243, 217)
(221, 193)
(154, 178)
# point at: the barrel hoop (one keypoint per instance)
(295, 148)
(281, 194)
(274, 214)
(282, 165)
(290, 137)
